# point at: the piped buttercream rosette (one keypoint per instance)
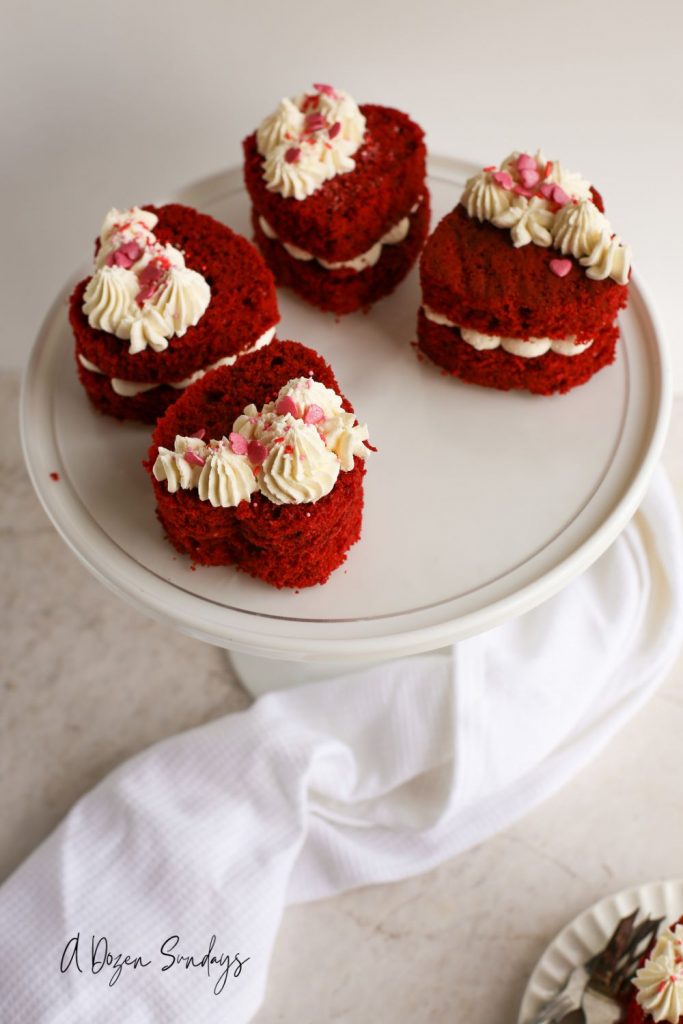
(543, 203)
(141, 291)
(309, 139)
(291, 451)
(659, 982)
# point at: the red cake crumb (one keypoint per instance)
(54, 476)
(285, 545)
(243, 306)
(347, 215)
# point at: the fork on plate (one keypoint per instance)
(566, 1000)
(598, 1008)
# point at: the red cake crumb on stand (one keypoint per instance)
(260, 465)
(523, 280)
(339, 196)
(174, 292)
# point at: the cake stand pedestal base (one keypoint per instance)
(263, 675)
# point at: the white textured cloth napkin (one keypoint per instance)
(372, 777)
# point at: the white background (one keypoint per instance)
(116, 103)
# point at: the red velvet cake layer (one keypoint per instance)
(343, 291)
(495, 368)
(285, 545)
(243, 306)
(350, 212)
(471, 273)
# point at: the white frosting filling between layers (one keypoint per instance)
(527, 349)
(398, 233)
(131, 388)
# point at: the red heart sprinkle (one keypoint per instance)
(257, 452)
(287, 405)
(292, 155)
(519, 190)
(313, 414)
(238, 443)
(334, 130)
(560, 267)
(314, 123)
(326, 89)
(200, 434)
(194, 459)
(491, 167)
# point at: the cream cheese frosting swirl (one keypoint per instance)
(308, 140)
(141, 291)
(226, 478)
(175, 468)
(483, 198)
(311, 400)
(660, 980)
(292, 451)
(299, 466)
(543, 203)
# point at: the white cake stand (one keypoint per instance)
(479, 504)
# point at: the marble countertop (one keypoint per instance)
(74, 705)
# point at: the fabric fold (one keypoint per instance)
(193, 848)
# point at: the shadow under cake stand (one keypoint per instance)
(479, 504)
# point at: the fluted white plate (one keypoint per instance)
(478, 505)
(588, 933)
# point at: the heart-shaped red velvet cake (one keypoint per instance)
(173, 293)
(260, 465)
(523, 280)
(340, 202)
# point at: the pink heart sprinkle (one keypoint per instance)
(194, 459)
(326, 89)
(519, 190)
(313, 414)
(132, 249)
(503, 179)
(238, 443)
(550, 190)
(560, 196)
(257, 452)
(560, 267)
(200, 434)
(314, 123)
(529, 177)
(334, 130)
(525, 163)
(287, 405)
(292, 154)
